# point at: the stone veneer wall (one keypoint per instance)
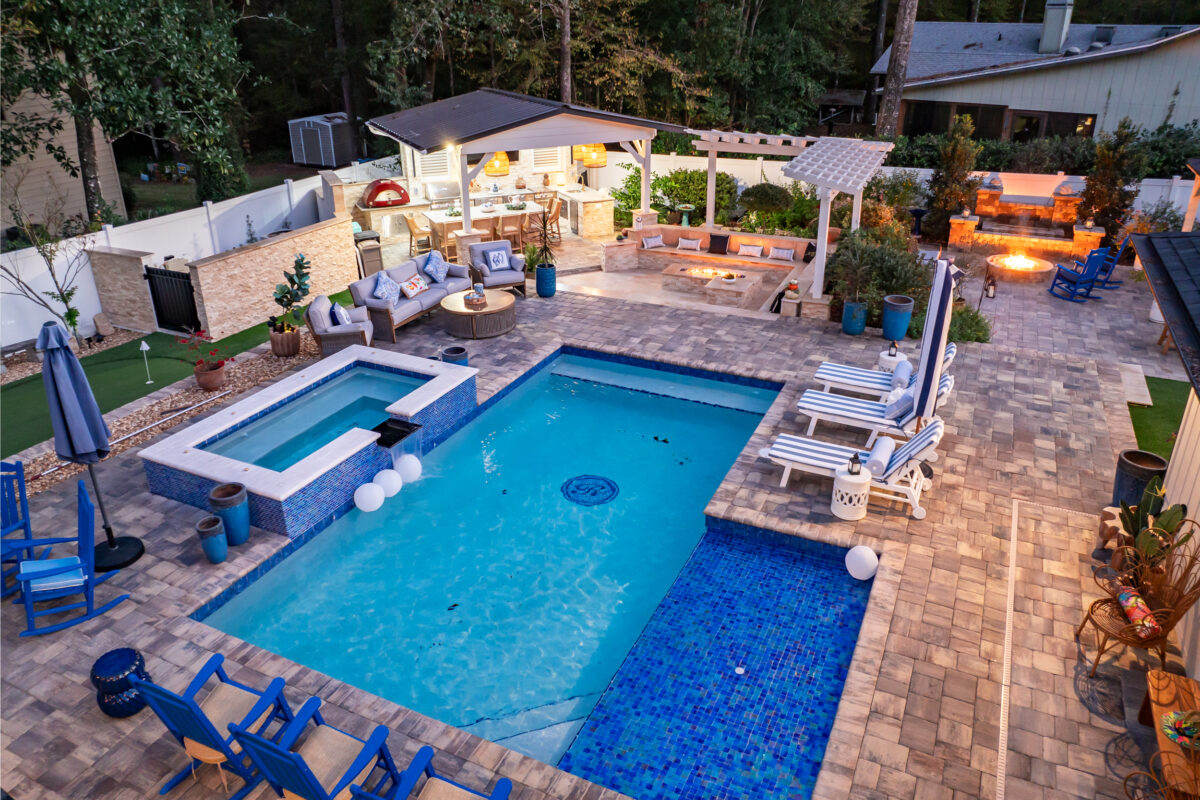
(123, 288)
(234, 290)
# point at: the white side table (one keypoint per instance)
(850, 493)
(888, 363)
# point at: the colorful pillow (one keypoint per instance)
(899, 403)
(651, 242)
(1138, 613)
(436, 267)
(386, 289)
(414, 286)
(782, 253)
(498, 260)
(338, 315)
(751, 250)
(687, 244)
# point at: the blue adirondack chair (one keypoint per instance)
(1076, 285)
(323, 765)
(17, 543)
(55, 578)
(202, 727)
(422, 764)
(1104, 276)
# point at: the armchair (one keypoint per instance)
(512, 277)
(332, 338)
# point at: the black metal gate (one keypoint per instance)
(174, 302)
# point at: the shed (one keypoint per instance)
(325, 140)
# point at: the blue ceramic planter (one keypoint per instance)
(854, 318)
(230, 502)
(455, 354)
(546, 280)
(897, 313)
(211, 531)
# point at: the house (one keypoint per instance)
(1024, 81)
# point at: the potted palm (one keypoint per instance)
(543, 256)
(853, 272)
(208, 363)
(285, 335)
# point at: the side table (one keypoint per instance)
(110, 675)
(850, 493)
(888, 363)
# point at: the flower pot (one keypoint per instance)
(854, 318)
(285, 345)
(230, 502)
(211, 531)
(455, 354)
(210, 379)
(1135, 468)
(897, 313)
(546, 280)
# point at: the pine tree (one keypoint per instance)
(1112, 184)
(952, 187)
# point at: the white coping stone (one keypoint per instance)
(180, 450)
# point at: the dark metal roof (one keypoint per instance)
(1194, 166)
(956, 48)
(481, 113)
(1172, 264)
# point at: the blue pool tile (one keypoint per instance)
(679, 721)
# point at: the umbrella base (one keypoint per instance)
(127, 550)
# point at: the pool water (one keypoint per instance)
(481, 595)
(283, 436)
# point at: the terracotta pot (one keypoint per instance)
(834, 235)
(210, 379)
(285, 345)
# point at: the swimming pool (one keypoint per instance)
(358, 398)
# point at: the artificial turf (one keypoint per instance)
(1156, 425)
(117, 377)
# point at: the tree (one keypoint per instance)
(164, 68)
(1111, 186)
(893, 85)
(564, 51)
(952, 187)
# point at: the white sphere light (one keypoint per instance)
(368, 497)
(861, 562)
(389, 480)
(409, 467)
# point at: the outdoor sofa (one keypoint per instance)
(388, 317)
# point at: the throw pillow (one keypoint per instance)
(436, 267)
(750, 250)
(718, 244)
(414, 286)
(902, 375)
(386, 289)
(497, 260)
(338, 315)
(782, 253)
(651, 242)
(688, 244)
(1138, 613)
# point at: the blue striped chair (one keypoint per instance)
(902, 480)
(870, 415)
(832, 375)
(436, 786)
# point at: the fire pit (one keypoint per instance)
(1019, 268)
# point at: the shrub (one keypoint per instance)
(766, 197)
(680, 186)
(901, 190)
(951, 187)
(868, 267)
(966, 325)
(1166, 149)
(1160, 216)
(1110, 187)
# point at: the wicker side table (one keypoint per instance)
(499, 316)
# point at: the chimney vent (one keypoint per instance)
(1055, 24)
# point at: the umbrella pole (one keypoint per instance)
(117, 551)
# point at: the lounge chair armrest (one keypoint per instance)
(308, 712)
(372, 749)
(213, 665)
(359, 314)
(459, 271)
(422, 764)
(376, 304)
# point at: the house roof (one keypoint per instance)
(949, 51)
(1172, 265)
(483, 112)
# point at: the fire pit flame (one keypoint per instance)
(710, 272)
(1018, 267)
(1019, 261)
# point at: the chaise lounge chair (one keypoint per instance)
(436, 786)
(834, 376)
(902, 480)
(871, 415)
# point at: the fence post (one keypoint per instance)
(1175, 181)
(291, 198)
(212, 231)
(107, 228)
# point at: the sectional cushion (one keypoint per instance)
(651, 242)
(685, 243)
(750, 250)
(782, 253)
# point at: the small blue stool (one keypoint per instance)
(110, 676)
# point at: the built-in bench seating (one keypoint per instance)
(631, 254)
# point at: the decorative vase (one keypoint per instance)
(520, 183)
(231, 503)
(897, 313)
(285, 345)
(546, 179)
(854, 318)
(546, 280)
(211, 379)
(211, 531)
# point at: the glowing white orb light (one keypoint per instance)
(389, 480)
(368, 497)
(861, 562)
(409, 467)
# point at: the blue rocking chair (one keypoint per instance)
(17, 543)
(201, 728)
(55, 578)
(422, 764)
(1111, 257)
(1076, 285)
(325, 764)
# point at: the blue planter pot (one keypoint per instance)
(854, 318)
(1135, 468)
(211, 531)
(897, 313)
(455, 354)
(546, 280)
(230, 502)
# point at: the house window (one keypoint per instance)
(921, 116)
(988, 120)
(1028, 125)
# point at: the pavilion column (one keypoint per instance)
(826, 197)
(856, 211)
(465, 177)
(645, 148)
(710, 196)
(1193, 209)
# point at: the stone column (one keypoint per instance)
(1086, 240)
(962, 231)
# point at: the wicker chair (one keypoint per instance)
(420, 240)
(552, 223)
(1171, 777)
(513, 229)
(1169, 588)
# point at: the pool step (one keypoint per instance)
(534, 720)
(667, 384)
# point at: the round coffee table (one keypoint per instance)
(497, 317)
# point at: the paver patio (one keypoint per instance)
(1029, 453)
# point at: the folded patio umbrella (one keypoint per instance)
(80, 435)
(933, 339)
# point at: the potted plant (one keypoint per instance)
(543, 257)
(209, 365)
(285, 335)
(853, 269)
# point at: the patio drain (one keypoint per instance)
(590, 490)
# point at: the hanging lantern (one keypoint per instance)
(596, 157)
(497, 167)
(579, 152)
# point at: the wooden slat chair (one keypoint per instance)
(202, 727)
(1076, 285)
(553, 225)
(513, 229)
(436, 787)
(17, 543)
(1171, 777)
(420, 239)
